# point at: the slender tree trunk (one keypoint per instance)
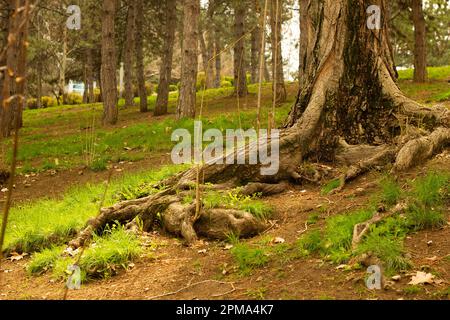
(128, 54)
(255, 50)
(140, 72)
(90, 76)
(267, 76)
(207, 50)
(165, 72)
(189, 60)
(240, 75)
(63, 67)
(420, 50)
(277, 57)
(109, 63)
(39, 86)
(218, 59)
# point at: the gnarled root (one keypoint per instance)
(421, 149)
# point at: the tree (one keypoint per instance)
(140, 55)
(128, 54)
(240, 74)
(206, 40)
(420, 51)
(348, 101)
(165, 73)
(108, 73)
(279, 88)
(189, 59)
(13, 84)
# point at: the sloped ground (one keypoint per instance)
(208, 271)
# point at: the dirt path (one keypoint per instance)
(172, 266)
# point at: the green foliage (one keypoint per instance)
(234, 200)
(99, 164)
(428, 194)
(249, 258)
(309, 243)
(111, 252)
(391, 191)
(44, 260)
(412, 290)
(74, 98)
(330, 186)
(225, 84)
(44, 223)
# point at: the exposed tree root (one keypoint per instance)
(418, 150)
(361, 229)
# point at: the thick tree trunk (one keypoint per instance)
(108, 73)
(240, 74)
(280, 94)
(189, 60)
(128, 54)
(140, 72)
(420, 51)
(165, 73)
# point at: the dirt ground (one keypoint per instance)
(207, 271)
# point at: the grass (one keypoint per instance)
(234, 200)
(434, 73)
(44, 223)
(70, 126)
(248, 257)
(385, 239)
(390, 191)
(107, 255)
(330, 186)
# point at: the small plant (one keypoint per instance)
(258, 294)
(391, 191)
(330, 186)
(420, 217)
(410, 290)
(99, 164)
(431, 189)
(313, 218)
(249, 258)
(309, 243)
(44, 260)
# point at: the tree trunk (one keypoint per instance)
(207, 50)
(279, 87)
(13, 99)
(108, 73)
(255, 51)
(62, 69)
(128, 55)
(140, 73)
(420, 51)
(165, 73)
(218, 57)
(90, 76)
(189, 60)
(240, 75)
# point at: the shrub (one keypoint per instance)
(173, 88)
(32, 103)
(225, 84)
(48, 102)
(74, 98)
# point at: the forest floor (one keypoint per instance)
(166, 269)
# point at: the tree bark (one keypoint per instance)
(218, 59)
(255, 52)
(140, 73)
(279, 87)
(240, 75)
(128, 54)
(165, 73)
(420, 51)
(108, 73)
(90, 76)
(13, 99)
(189, 60)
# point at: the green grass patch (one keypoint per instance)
(390, 191)
(434, 73)
(44, 223)
(248, 258)
(234, 200)
(330, 186)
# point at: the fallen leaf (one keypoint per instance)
(202, 251)
(228, 247)
(432, 258)
(342, 266)
(396, 278)
(422, 278)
